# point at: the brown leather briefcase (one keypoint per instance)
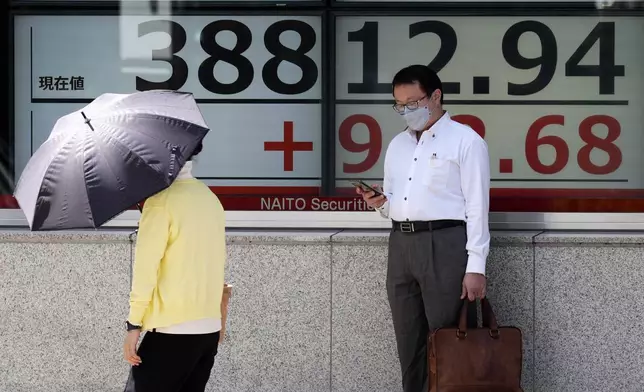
(483, 359)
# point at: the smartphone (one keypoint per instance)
(365, 187)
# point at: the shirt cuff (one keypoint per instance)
(384, 210)
(136, 314)
(475, 265)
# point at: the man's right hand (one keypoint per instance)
(370, 197)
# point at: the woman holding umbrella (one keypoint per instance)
(101, 160)
(177, 284)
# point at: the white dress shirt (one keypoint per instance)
(444, 175)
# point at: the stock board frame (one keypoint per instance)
(630, 217)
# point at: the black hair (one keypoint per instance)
(426, 78)
(196, 151)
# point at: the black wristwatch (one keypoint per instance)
(131, 327)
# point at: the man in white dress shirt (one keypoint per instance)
(436, 192)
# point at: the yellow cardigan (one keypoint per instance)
(178, 272)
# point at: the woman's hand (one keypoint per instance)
(129, 347)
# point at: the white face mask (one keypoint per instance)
(417, 119)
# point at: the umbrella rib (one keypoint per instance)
(185, 125)
(140, 159)
(125, 131)
(89, 204)
(70, 137)
(107, 162)
(145, 164)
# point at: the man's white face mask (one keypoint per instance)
(416, 119)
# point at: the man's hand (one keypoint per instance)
(473, 286)
(370, 198)
(129, 347)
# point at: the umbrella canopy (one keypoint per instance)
(103, 159)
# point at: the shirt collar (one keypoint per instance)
(186, 171)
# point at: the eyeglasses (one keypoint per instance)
(400, 107)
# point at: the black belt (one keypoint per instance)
(412, 227)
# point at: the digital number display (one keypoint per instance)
(556, 98)
(243, 38)
(256, 79)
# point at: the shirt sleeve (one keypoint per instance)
(475, 183)
(151, 242)
(386, 189)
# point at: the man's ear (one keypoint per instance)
(436, 95)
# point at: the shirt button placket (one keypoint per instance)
(409, 185)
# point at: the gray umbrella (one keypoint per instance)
(107, 157)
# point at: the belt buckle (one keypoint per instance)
(407, 227)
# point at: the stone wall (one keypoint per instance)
(309, 311)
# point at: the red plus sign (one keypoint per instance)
(288, 146)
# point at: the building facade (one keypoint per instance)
(298, 97)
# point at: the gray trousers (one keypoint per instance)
(424, 281)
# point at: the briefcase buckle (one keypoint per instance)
(407, 227)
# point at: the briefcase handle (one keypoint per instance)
(489, 319)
